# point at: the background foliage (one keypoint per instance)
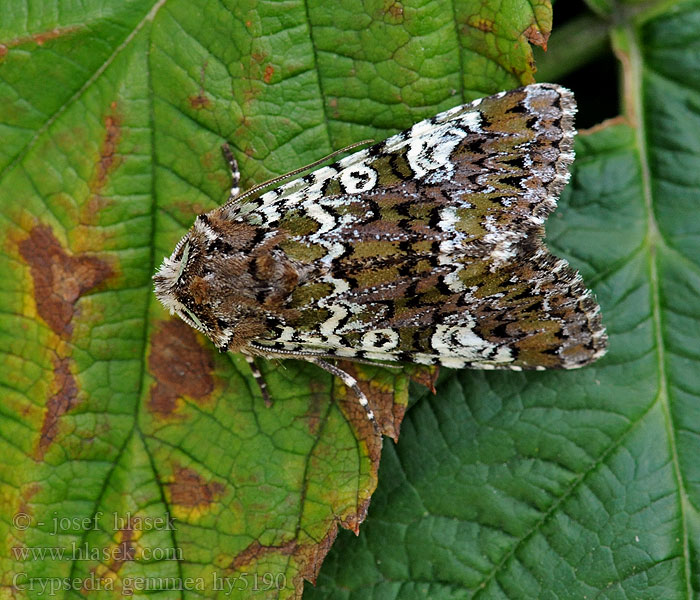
(502, 485)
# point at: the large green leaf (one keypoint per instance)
(113, 116)
(585, 484)
(525, 485)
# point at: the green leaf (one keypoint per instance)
(134, 458)
(520, 485)
(581, 484)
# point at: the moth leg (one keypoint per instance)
(351, 382)
(235, 172)
(259, 379)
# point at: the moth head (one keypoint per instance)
(203, 282)
(172, 279)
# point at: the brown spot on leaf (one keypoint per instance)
(245, 124)
(199, 101)
(482, 24)
(180, 366)
(189, 489)
(108, 158)
(309, 557)
(27, 493)
(187, 209)
(251, 92)
(56, 32)
(125, 550)
(393, 11)
(256, 550)
(269, 72)
(38, 38)
(64, 399)
(535, 36)
(60, 279)
(92, 208)
(333, 106)
(162, 401)
(107, 162)
(119, 554)
(25, 507)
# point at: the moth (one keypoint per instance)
(424, 248)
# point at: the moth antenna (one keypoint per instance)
(274, 180)
(365, 361)
(235, 171)
(267, 352)
(259, 379)
(350, 382)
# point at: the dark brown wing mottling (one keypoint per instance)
(461, 252)
(426, 247)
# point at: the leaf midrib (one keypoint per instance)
(634, 81)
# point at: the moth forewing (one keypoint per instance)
(426, 247)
